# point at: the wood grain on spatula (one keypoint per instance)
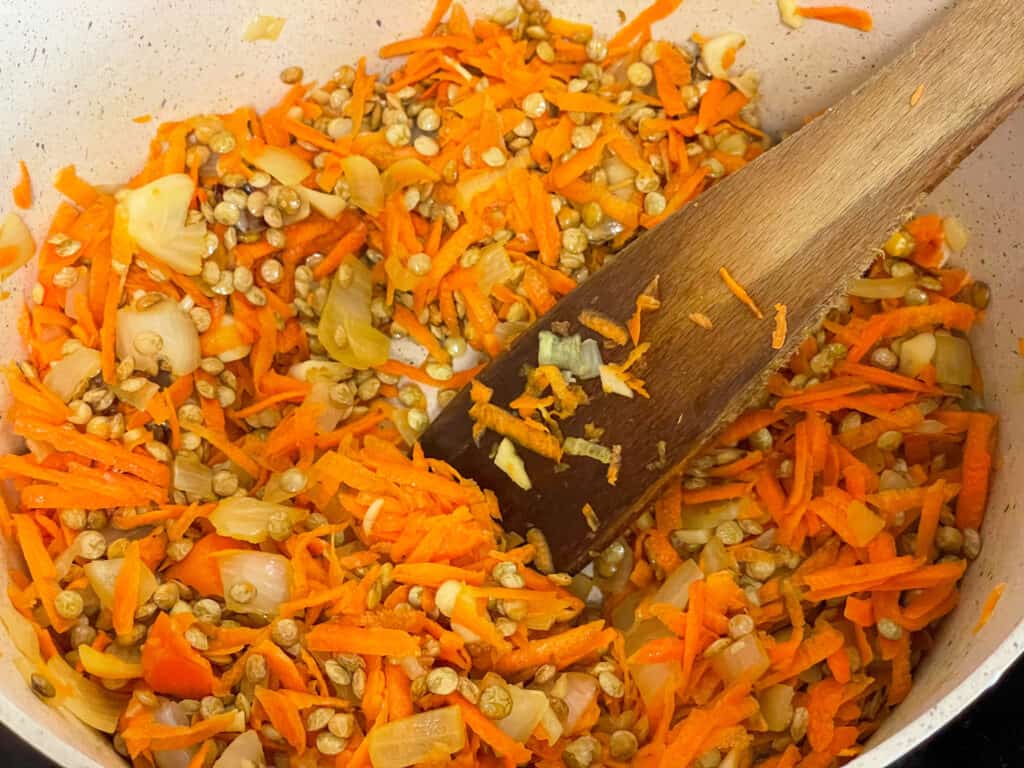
(793, 227)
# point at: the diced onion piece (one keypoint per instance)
(580, 692)
(881, 287)
(954, 363)
(789, 14)
(330, 414)
(650, 679)
(70, 375)
(283, 165)
(744, 658)
(88, 701)
(139, 398)
(577, 446)
(916, 353)
(245, 750)
(263, 28)
(171, 713)
(248, 519)
(426, 737)
(619, 172)
(710, 515)
(715, 557)
(329, 206)
(617, 582)
(446, 596)
(271, 575)
(348, 308)
(613, 383)
(190, 475)
(714, 51)
(624, 613)
(777, 706)
(494, 268)
(14, 234)
(21, 633)
(102, 575)
(311, 370)
(107, 665)
(955, 233)
(552, 726)
(80, 288)
(156, 221)
(180, 347)
(676, 588)
(747, 82)
(405, 172)
(511, 463)
(527, 711)
(366, 190)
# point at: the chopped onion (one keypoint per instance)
(955, 233)
(916, 353)
(178, 334)
(715, 557)
(954, 363)
(248, 519)
(881, 288)
(891, 480)
(777, 706)
(271, 575)
(138, 398)
(405, 172)
(552, 725)
(156, 221)
(366, 190)
(650, 679)
(618, 581)
(329, 206)
(244, 752)
(710, 515)
(303, 213)
(15, 234)
(80, 288)
(624, 614)
(21, 633)
(330, 414)
(613, 383)
(284, 166)
(746, 657)
(618, 173)
(400, 275)
(102, 575)
(310, 370)
(527, 711)
(426, 737)
(747, 82)
(89, 702)
(712, 54)
(642, 633)
(511, 463)
(69, 376)
(263, 28)
(171, 713)
(676, 588)
(348, 308)
(580, 692)
(191, 476)
(494, 268)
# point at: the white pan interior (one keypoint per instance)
(76, 72)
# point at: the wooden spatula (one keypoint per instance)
(794, 227)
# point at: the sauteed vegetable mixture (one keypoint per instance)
(237, 554)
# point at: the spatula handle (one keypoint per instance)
(793, 227)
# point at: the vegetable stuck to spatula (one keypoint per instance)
(792, 230)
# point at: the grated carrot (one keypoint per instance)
(739, 292)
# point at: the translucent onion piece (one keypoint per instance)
(624, 614)
(348, 307)
(248, 519)
(494, 268)
(108, 665)
(511, 463)
(552, 726)
(744, 658)
(138, 398)
(916, 353)
(156, 222)
(777, 706)
(715, 557)
(180, 348)
(881, 288)
(954, 363)
(955, 232)
(676, 588)
(366, 190)
(263, 28)
(712, 55)
(281, 164)
(102, 575)
(311, 370)
(329, 206)
(617, 582)
(613, 383)
(89, 702)
(527, 710)
(21, 633)
(619, 172)
(171, 713)
(426, 737)
(14, 234)
(190, 475)
(789, 14)
(580, 692)
(405, 172)
(68, 377)
(330, 414)
(246, 749)
(701, 516)
(271, 575)
(651, 678)
(80, 288)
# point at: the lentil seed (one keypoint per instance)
(442, 681)
(495, 702)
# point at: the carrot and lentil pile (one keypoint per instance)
(236, 554)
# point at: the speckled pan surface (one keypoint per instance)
(76, 71)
